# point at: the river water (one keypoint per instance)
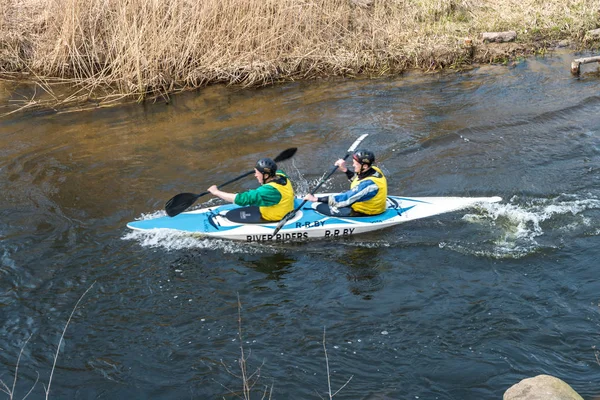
(457, 306)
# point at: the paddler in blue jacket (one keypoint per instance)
(368, 188)
(275, 196)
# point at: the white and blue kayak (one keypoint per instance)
(244, 223)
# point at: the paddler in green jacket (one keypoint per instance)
(275, 196)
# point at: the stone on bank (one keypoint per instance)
(541, 387)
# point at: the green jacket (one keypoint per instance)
(263, 196)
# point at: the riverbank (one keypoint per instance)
(101, 52)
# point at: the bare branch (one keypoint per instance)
(230, 391)
(343, 386)
(61, 340)
(328, 375)
(242, 361)
(17, 367)
(327, 365)
(4, 387)
(34, 383)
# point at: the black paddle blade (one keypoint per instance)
(179, 203)
(286, 154)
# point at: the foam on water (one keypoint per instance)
(174, 240)
(152, 215)
(368, 244)
(525, 226)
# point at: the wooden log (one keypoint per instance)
(499, 37)
(576, 64)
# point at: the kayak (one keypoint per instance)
(310, 222)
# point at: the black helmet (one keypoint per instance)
(266, 166)
(364, 157)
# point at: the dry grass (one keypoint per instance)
(148, 47)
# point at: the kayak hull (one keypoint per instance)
(307, 223)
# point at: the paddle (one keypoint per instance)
(182, 201)
(291, 214)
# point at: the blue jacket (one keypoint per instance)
(364, 191)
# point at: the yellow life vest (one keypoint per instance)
(377, 204)
(285, 205)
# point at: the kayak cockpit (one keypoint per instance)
(251, 214)
(345, 212)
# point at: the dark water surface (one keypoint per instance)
(457, 306)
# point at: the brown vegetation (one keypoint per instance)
(113, 48)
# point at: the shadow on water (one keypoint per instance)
(274, 266)
(364, 269)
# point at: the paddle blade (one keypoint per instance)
(286, 154)
(357, 142)
(179, 203)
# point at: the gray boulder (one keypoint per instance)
(541, 387)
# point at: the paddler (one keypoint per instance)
(368, 189)
(275, 196)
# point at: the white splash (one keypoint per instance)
(521, 223)
(172, 240)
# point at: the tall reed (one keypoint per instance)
(141, 47)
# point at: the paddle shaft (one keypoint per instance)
(227, 183)
(291, 214)
(316, 188)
